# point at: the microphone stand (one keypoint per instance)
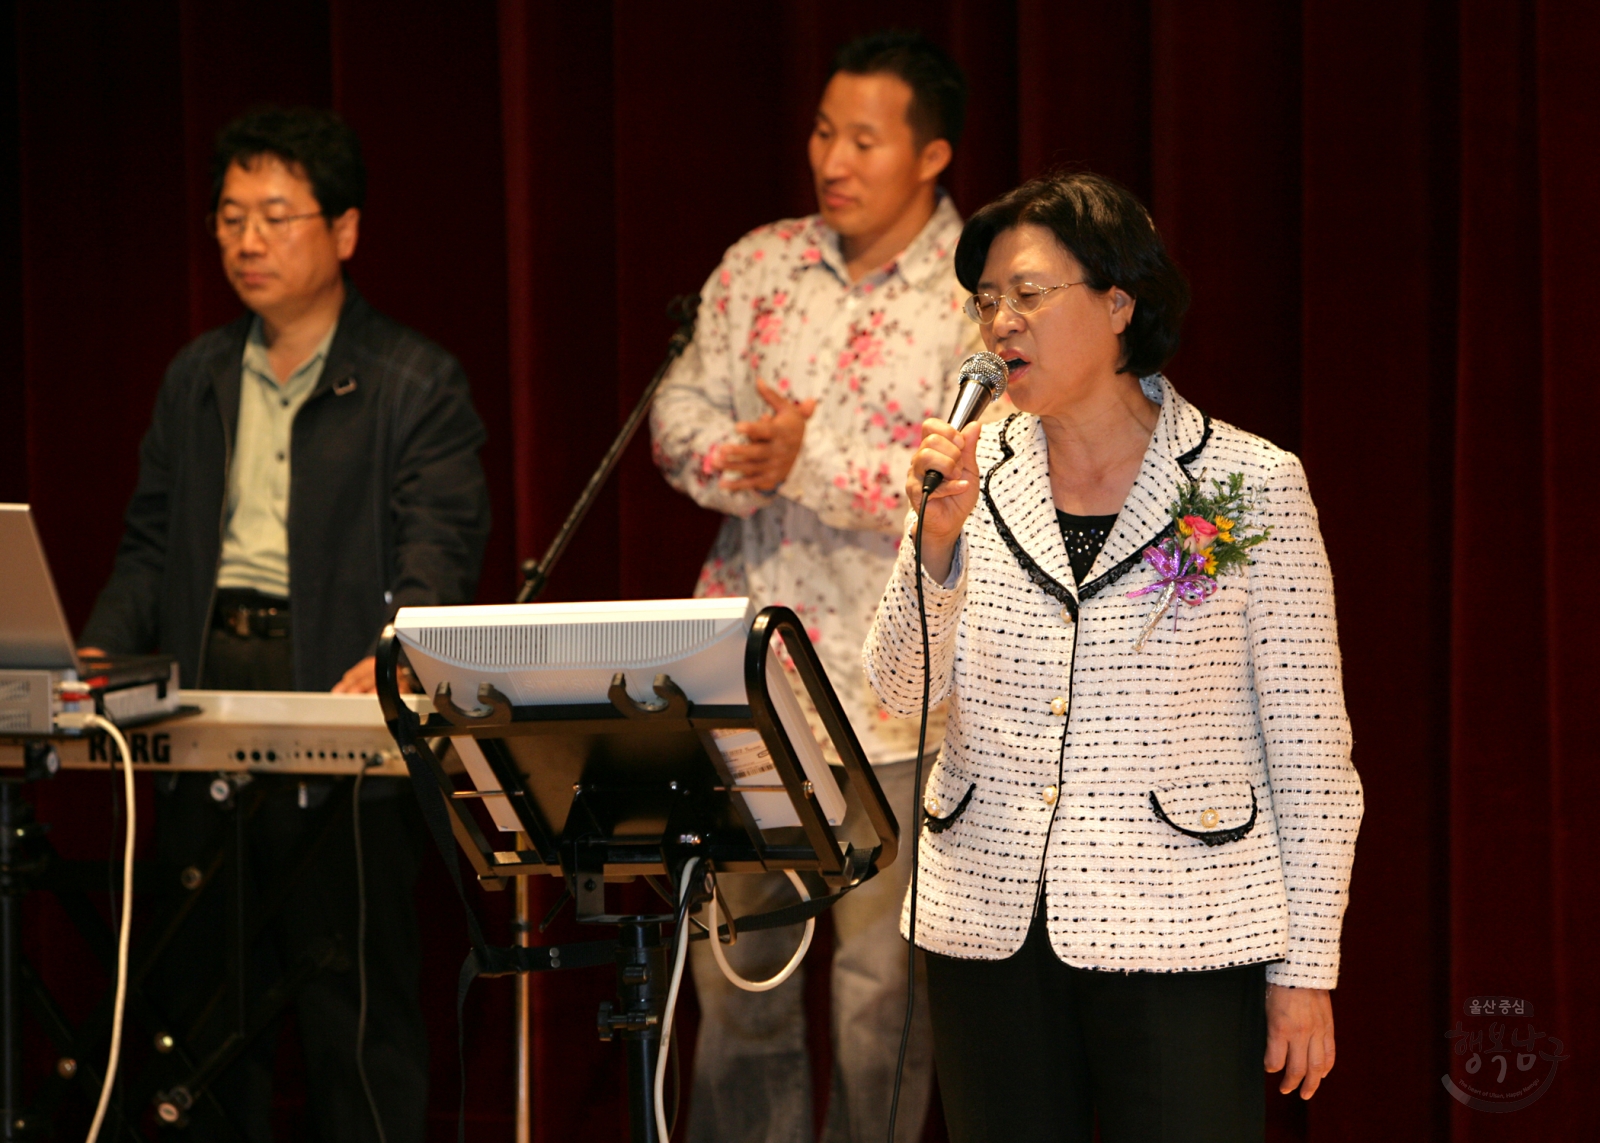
(536, 573)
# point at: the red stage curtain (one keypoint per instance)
(1387, 212)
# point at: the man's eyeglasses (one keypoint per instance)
(1023, 298)
(230, 227)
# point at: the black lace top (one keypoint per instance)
(1085, 536)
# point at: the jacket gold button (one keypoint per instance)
(1049, 795)
(931, 804)
(1209, 819)
(1066, 615)
(1058, 706)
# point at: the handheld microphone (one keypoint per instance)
(983, 379)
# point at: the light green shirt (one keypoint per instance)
(255, 534)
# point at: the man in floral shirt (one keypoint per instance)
(822, 344)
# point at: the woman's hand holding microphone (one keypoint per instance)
(954, 455)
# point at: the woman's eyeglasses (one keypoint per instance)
(1023, 298)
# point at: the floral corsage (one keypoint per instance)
(1212, 540)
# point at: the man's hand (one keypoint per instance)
(361, 679)
(775, 441)
(1299, 1035)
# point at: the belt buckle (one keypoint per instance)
(239, 621)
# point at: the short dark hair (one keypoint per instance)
(938, 88)
(318, 142)
(1113, 238)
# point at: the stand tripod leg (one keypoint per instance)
(641, 1049)
(635, 1018)
(523, 924)
(13, 813)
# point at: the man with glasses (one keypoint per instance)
(822, 344)
(310, 468)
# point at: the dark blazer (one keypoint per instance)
(388, 505)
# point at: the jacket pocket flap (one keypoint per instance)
(948, 793)
(1213, 811)
(940, 824)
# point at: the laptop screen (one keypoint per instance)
(33, 629)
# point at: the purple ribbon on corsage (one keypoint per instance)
(1182, 576)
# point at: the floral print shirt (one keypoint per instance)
(880, 356)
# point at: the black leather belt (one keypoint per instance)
(246, 619)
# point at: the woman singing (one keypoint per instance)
(1138, 837)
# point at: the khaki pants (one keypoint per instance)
(752, 1081)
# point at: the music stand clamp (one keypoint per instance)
(622, 790)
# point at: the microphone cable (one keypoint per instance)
(125, 925)
(114, 845)
(361, 957)
(680, 952)
(783, 973)
(916, 819)
(993, 373)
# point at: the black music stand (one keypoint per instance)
(621, 790)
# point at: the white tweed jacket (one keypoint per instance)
(1237, 714)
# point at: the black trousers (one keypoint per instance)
(1030, 1050)
(298, 849)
